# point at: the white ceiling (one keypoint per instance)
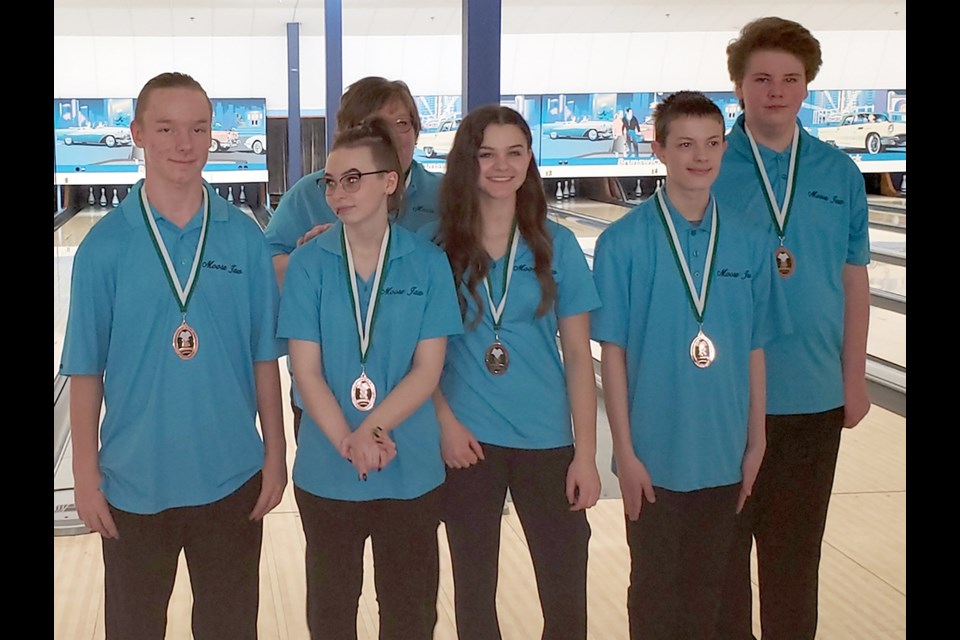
(257, 18)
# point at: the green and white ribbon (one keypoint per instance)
(698, 299)
(182, 293)
(497, 310)
(779, 214)
(365, 325)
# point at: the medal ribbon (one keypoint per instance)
(365, 326)
(183, 294)
(698, 301)
(497, 310)
(780, 215)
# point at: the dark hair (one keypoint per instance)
(377, 135)
(368, 95)
(461, 226)
(169, 80)
(774, 34)
(684, 104)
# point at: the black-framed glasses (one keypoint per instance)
(349, 182)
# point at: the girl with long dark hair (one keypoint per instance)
(506, 396)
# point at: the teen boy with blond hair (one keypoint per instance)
(173, 327)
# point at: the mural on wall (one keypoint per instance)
(440, 118)
(870, 125)
(574, 135)
(610, 134)
(93, 145)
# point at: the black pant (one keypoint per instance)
(405, 556)
(786, 514)
(222, 549)
(557, 537)
(678, 556)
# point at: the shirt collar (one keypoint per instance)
(679, 222)
(738, 141)
(401, 240)
(131, 206)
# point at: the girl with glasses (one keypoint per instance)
(506, 398)
(303, 212)
(367, 308)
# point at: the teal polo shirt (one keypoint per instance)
(827, 230)
(527, 406)
(175, 432)
(688, 425)
(419, 302)
(304, 206)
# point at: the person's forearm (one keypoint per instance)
(757, 416)
(266, 375)
(581, 383)
(441, 407)
(413, 389)
(86, 398)
(318, 400)
(613, 370)
(856, 321)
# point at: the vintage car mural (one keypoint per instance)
(221, 139)
(256, 143)
(99, 135)
(872, 132)
(584, 129)
(439, 142)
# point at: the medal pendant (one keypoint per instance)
(185, 341)
(497, 358)
(363, 393)
(785, 261)
(702, 351)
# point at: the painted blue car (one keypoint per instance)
(107, 136)
(584, 129)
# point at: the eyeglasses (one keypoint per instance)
(402, 125)
(349, 182)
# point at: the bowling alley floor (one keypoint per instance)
(863, 590)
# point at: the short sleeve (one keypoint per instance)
(265, 305)
(300, 209)
(576, 292)
(611, 273)
(858, 247)
(90, 317)
(300, 301)
(442, 314)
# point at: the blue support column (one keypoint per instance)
(481, 53)
(333, 42)
(294, 153)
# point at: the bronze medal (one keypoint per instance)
(785, 261)
(497, 358)
(363, 393)
(702, 351)
(185, 341)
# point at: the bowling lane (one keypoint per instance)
(591, 208)
(66, 239)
